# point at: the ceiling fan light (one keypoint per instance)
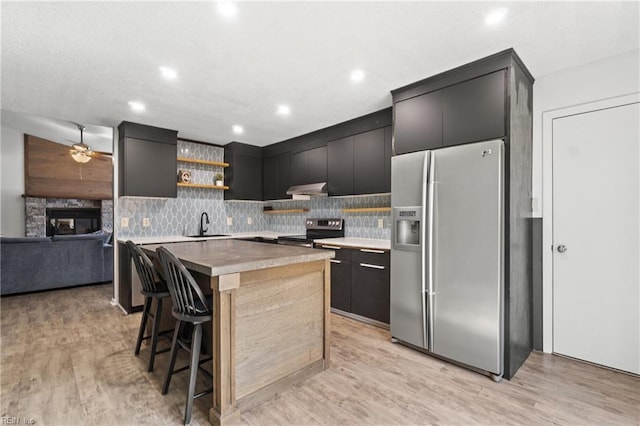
(81, 147)
(80, 157)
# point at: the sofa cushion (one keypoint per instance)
(21, 240)
(106, 236)
(78, 237)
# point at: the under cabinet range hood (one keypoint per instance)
(311, 189)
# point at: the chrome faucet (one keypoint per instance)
(205, 216)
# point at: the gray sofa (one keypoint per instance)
(33, 264)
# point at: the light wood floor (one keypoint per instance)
(67, 358)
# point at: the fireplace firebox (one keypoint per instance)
(66, 221)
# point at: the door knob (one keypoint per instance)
(562, 248)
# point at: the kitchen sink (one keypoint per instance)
(207, 235)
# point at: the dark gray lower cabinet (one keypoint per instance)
(370, 284)
(360, 282)
(341, 281)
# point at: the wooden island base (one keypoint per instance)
(271, 330)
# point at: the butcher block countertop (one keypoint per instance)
(222, 257)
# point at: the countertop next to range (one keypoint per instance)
(366, 243)
(182, 239)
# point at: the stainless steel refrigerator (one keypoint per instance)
(447, 249)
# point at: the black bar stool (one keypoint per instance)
(153, 287)
(189, 307)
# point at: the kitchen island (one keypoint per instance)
(271, 310)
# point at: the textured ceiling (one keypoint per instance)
(83, 61)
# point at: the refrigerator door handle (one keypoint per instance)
(429, 260)
(424, 238)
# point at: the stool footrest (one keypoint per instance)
(203, 393)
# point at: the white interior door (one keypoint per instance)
(596, 233)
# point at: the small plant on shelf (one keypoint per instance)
(219, 178)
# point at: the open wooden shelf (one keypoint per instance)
(208, 163)
(367, 210)
(202, 185)
(285, 211)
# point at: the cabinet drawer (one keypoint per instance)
(372, 257)
(342, 254)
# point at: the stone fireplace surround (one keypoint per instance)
(36, 212)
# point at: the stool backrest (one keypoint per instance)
(186, 296)
(149, 277)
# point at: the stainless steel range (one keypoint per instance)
(316, 229)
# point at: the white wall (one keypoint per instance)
(11, 181)
(611, 77)
(590, 86)
(14, 127)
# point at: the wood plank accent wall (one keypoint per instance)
(50, 172)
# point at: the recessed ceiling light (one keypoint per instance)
(227, 8)
(283, 110)
(496, 16)
(168, 73)
(357, 75)
(137, 106)
(238, 130)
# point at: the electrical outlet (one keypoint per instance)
(249, 221)
(145, 221)
(124, 222)
(229, 221)
(380, 223)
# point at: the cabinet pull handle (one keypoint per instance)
(368, 265)
(372, 251)
(335, 261)
(331, 247)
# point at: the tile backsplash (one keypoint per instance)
(357, 225)
(181, 215)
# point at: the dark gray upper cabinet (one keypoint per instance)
(309, 166)
(369, 163)
(300, 168)
(360, 164)
(276, 176)
(388, 152)
(318, 164)
(147, 163)
(244, 174)
(418, 123)
(270, 178)
(340, 166)
(284, 174)
(474, 110)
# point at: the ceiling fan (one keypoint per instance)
(82, 153)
